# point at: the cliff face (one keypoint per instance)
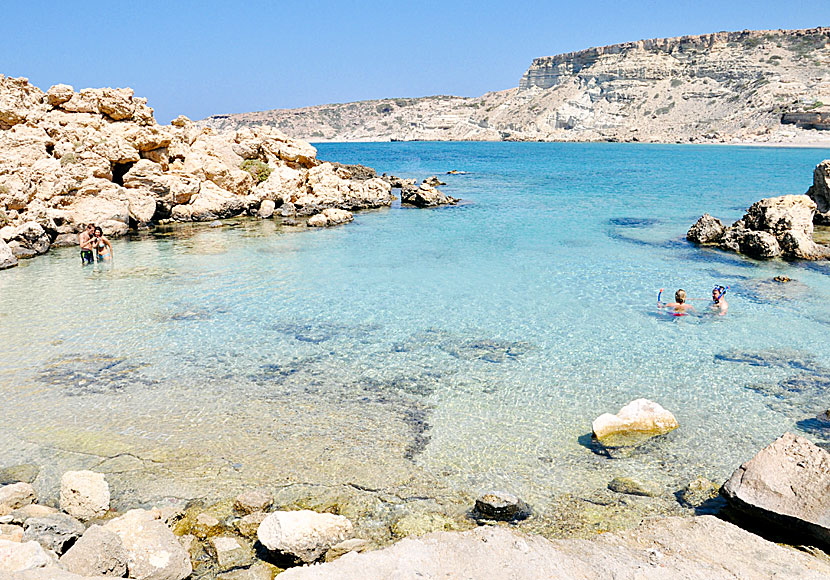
(752, 86)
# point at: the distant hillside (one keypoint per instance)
(771, 85)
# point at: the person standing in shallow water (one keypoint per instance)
(680, 306)
(102, 245)
(85, 241)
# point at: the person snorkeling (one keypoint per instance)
(719, 303)
(679, 307)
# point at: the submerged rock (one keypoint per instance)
(631, 486)
(303, 535)
(637, 422)
(785, 486)
(252, 501)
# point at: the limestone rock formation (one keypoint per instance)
(635, 423)
(84, 494)
(744, 86)
(425, 195)
(153, 552)
(774, 226)
(330, 217)
(16, 495)
(97, 552)
(786, 485)
(819, 192)
(17, 556)
(98, 156)
(56, 532)
(676, 548)
(304, 535)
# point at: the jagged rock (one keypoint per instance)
(500, 505)
(17, 556)
(819, 192)
(17, 495)
(631, 486)
(229, 553)
(785, 485)
(357, 172)
(330, 217)
(304, 535)
(706, 230)
(247, 525)
(32, 237)
(153, 551)
(97, 552)
(56, 532)
(84, 494)
(634, 424)
(425, 196)
(776, 226)
(59, 94)
(7, 257)
(433, 181)
(212, 202)
(117, 104)
(677, 548)
(331, 187)
(252, 501)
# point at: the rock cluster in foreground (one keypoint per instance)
(773, 227)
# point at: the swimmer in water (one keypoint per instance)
(680, 307)
(718, 301)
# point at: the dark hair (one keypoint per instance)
(98, 229)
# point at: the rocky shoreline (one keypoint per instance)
(777, 496)
(98, 156)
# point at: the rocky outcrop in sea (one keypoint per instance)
(98, 156)
(773, 227)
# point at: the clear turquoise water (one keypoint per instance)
(431, 352)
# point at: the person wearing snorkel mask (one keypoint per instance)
(718, 301)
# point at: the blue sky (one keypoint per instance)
(201, 58)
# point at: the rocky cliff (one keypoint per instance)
(749, 86)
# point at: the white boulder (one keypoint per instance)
(153, 552)
(84, 494)
(304, 535)
(635, 423)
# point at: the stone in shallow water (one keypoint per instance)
(230, 553)
(256, 500)
(500, 505)
(84, 494)
(304, 535)
(701, 494)
(630, 486)
(785, 486)
(26, 473)
(635, 423)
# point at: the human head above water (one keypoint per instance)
(717, 292)
(680, 296)
(99, 231)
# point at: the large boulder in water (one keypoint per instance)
(819, 192)
(425, 196)
(303, 535)
(706, 230)
(786, 486)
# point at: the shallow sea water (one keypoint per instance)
(425, 354)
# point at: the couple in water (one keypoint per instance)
(92, 240)
(681, 308)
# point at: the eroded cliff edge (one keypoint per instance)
(751, 86)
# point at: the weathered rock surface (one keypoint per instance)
(724, 87)
(330, 217)
(153, 551)
(16, 495)
(676, 548)
(635, 423)
(787, 485)
(425, 196)
(819, 192)
(706, 230)
(56, 532)
(16, 556)
(346, 546)
(230, 553)
(252, 501)
(84, 494)
(500, 505)
(97, 552)
(7, 258)
(247, 525)
(20, 515)
(774, 226)
(304, 535)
